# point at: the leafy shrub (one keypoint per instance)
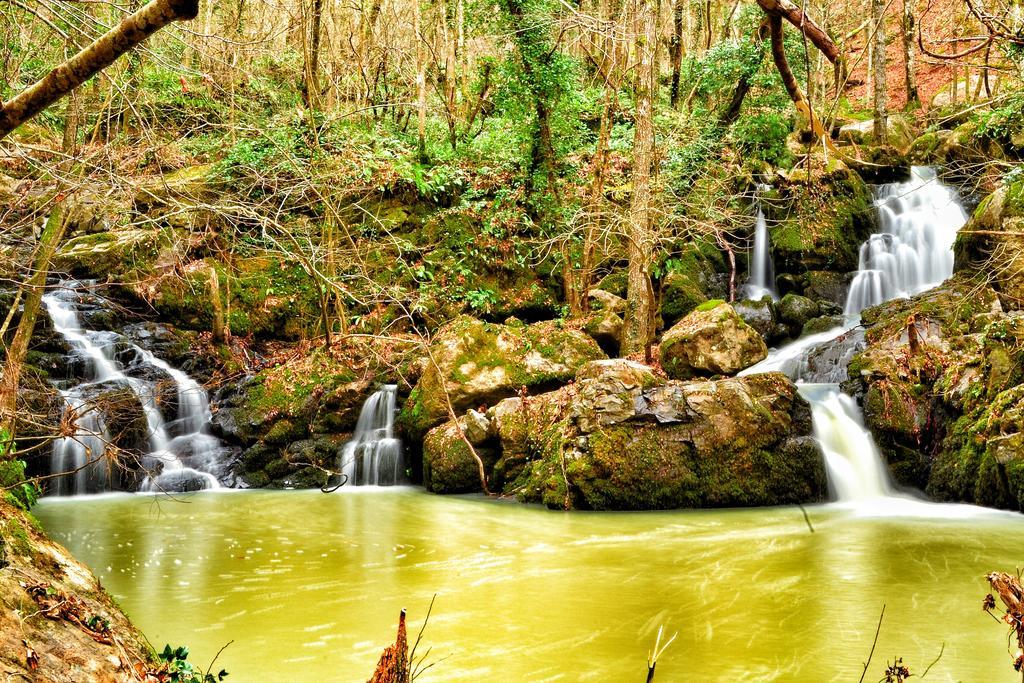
(17, 491)
(177, 668)
(762, 135)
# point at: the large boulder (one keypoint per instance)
(795, 311)
(759, 314)
(114, 254)
(899, 132)
(474, 363)
(191, 185)
(992, 243)
(819, 223)
(943, 408)
(712, 340)
(621, 438)
(605, 327)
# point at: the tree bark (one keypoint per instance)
(796, 16)
(132, 30)
(51, 236)
(421, 82)
(676, 49)
(878, 66)
(909, 66)
(393, 666)
(311, 74)
(638, 331)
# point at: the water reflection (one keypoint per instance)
(311, 583)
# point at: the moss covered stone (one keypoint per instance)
(620, 438)
(991, 245)
(945, 414)
(712, 340)
(474, 363)
(820, 224)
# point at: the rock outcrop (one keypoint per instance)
(84, 637)
(712, 340)
(473, 363)
(992, 243)
(621, 438)
(940, 381)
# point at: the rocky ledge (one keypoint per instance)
(622, 438)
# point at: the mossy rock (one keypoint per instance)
(820, 224)
(713, 444)
(712, 340)
(475, 364)
(116, 255)
(448, 464)
(996, 231)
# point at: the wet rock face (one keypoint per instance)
(992, 244)
(795, 311)
(759, 314)
(621, 437)
(947, 411)
(818, 225)
(710, 341)
(476, 364)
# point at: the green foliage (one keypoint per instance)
(481, 299)
(762, 135)
(17, 491)
(190, 106)
(279, 150)
(1005, 122)
(431, 182)
(180, 670)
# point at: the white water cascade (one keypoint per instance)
(913, 249)
(855, 468)
(762, 271)
(373, 457)
(180, 452)
(912, 252)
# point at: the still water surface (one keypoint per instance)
(309, 586)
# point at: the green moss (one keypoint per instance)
(819, 226)
(710, 305)
(448, 464)
(16, 537)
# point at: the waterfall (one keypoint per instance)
(373, 457)
(762, 272)
(111, 361)
(855, 468)
(912, 252)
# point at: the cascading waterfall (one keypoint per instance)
(373, 457)
(912, 252)
(762, 271)
(112, 361)
(855, 468)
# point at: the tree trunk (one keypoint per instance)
(638, 330)
(9, 382)
(311, 74)
(219, 326)
(796, 16)
(132, 30)
(878, 67)
(909, 66)
(421, 82)
(676, 49)
(393, 666)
